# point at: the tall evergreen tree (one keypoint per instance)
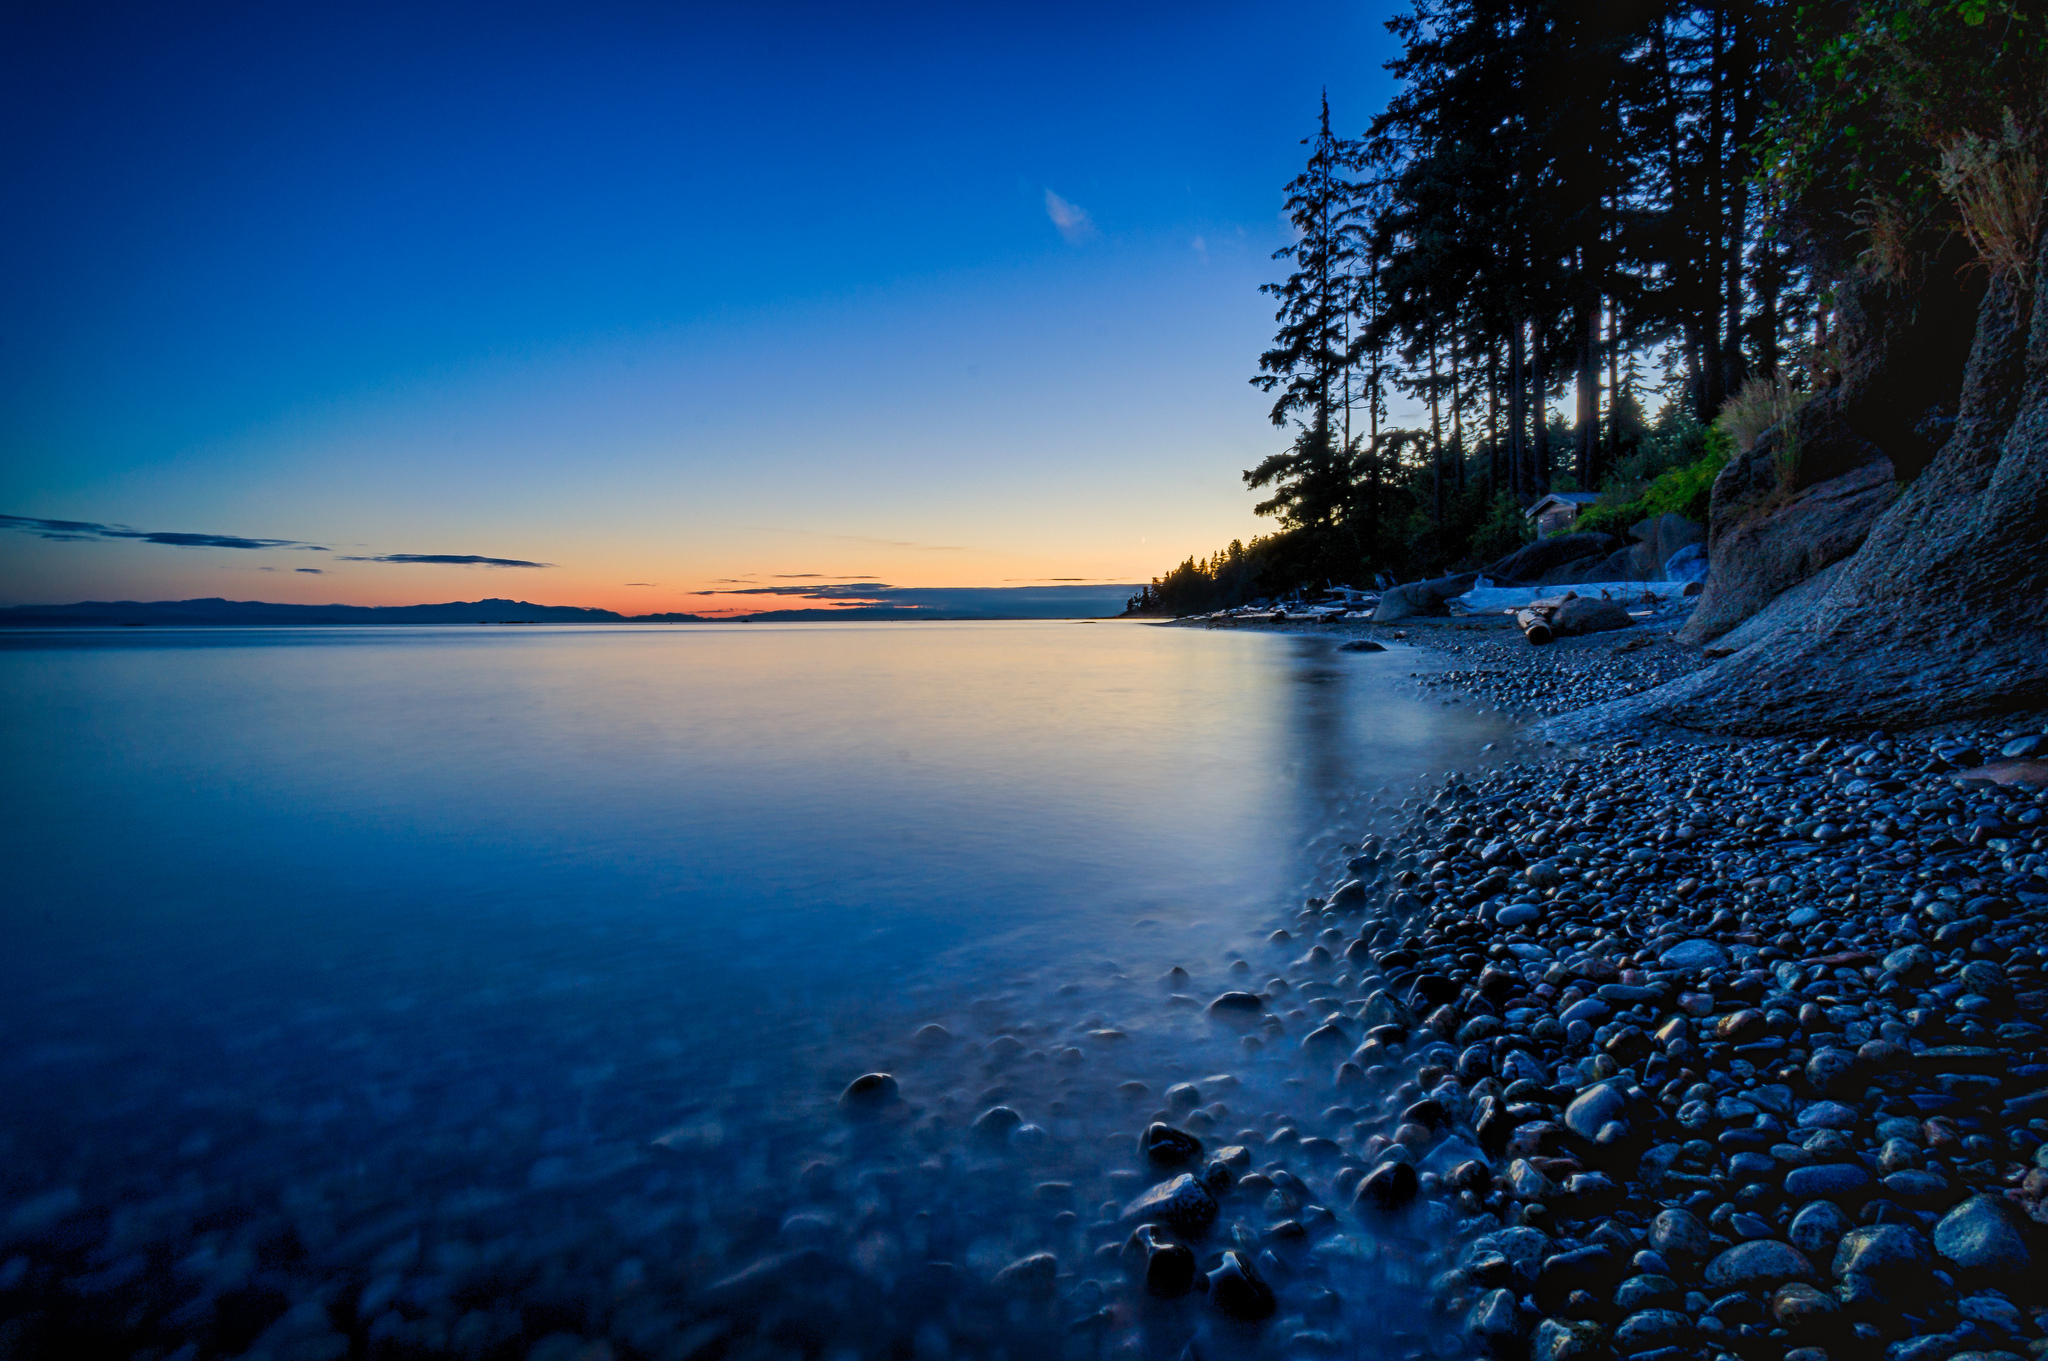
(1314, 353)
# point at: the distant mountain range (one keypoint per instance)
(1052, 602)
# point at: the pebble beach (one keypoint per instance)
(1742, 1038)
(1649, 1046)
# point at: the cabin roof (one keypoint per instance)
(1577, 500)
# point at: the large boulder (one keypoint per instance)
(1688, 564)
(1533, 564)
(1589, 615)
(1422, 599)
(1656, 540)
(1775, 526)
(1616, 566)
(1942, 613)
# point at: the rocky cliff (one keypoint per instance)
(1941, 610)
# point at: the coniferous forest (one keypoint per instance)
(1602, 246)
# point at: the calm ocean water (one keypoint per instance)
(487, 992)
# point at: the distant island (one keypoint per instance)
(937, 603)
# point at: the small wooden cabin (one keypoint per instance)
(1558, 509)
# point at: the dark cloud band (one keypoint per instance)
(451, 560)
(75, 530)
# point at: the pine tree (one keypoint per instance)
(1315, 350)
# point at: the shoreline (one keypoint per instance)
(1743, 1036)
(1439, 1110)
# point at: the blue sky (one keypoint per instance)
(677, 295)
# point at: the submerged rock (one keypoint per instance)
(1238, 1291)
(869, 1094)
(1033, 1275)
(1164, 1146)
(1182, 1204)
(996, 1123)
(1167, 1268)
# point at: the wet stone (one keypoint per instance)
(1980, 1237)
(1164, 1146)
(1167, 1268)
(1495, 1319)
(1030, 1276)
(869, 1094)
(1387, 1189)
(1648, 1292)
(1800, 1305)
(1568, 1340)
(996, 1124)
(1756, 1265)
(1831, 1070)
(1680, 1235)
(1890, 1254)
(1595, 1108)
(1652, 1328)
(1817, 1228)
(1833, 1180)
(1238, 1291)
(1183, 1205)
(1695, 954)
(1828, 1115)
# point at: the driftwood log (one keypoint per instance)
(1539, 620)
(1535, 625)
(1571, 614)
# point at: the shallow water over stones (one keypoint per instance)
(504, 994)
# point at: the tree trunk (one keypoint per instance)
(1742, 60)
(1457, 417)
(1518, 416)
(1713, 365)
(1613, 451)
(1436, 439)
(1588, 384)
(1492, 423)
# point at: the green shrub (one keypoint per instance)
(1686, 491)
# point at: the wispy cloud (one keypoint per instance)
(641, 583)
(875, 599)
(450, 560)
(78, 530)
(312, 571)
(1071, 218)
(852, 590)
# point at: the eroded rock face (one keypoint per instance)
(1943, 612)
(1881, 424)
(1770, 536)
